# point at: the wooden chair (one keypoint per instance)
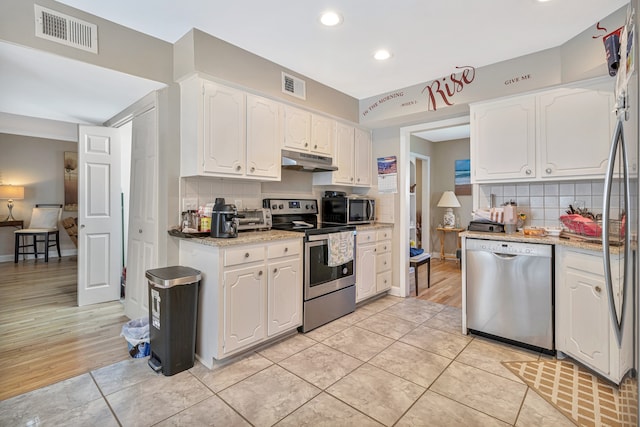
(43, 228)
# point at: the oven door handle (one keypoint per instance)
(317, 237)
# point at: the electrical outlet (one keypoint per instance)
(189, 203)
(238, 204)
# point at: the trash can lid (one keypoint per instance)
(167, 277)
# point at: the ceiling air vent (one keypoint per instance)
(69, 31)
(293, 86)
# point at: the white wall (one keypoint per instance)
(37, 164)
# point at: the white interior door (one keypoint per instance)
(142, 250)
(99, 215)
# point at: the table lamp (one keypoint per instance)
(11, 193)
(448, 201)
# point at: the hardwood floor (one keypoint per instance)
(446, 283)
(44, 336)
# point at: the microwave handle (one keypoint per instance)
(370, 209)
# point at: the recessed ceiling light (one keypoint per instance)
(330, 18)
(382, 54)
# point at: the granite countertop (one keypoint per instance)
(548, 240)
(247, 237)
(373, 226)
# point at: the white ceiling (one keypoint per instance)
(427, 39)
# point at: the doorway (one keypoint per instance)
(407, 134)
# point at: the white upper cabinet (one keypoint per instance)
(353, 157)
(226, 132)
(574, 131)
(558, 134)
(503, 140)
(323, 135)
(307, 132)
(264, 136)
(362, 162)
(344, 154)
(297, 129)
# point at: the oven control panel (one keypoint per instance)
(291, 206)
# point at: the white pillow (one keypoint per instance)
(44, 218)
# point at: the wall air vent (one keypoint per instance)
(66, 30)
(294, 86)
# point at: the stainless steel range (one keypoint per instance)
(329, 291)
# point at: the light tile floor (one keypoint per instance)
(401, 362)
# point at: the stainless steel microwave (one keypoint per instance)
(348, 210)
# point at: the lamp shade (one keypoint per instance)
(448, 200)
(14, 192)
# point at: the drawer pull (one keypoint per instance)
(246, 255)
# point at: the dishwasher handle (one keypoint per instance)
(503, 256)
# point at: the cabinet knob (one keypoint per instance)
(351, 178)
(246, 255)
(140, 230)
(306, 144)
(286, 249)
(260, 273)
(528, 171)
(315, 146)
(358, 179)
(253, 169)
(275, 270)
(598, 289)
(548, 170)
(238, 167)
(385, 248)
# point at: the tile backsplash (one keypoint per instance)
(198, 191)
(544, 202)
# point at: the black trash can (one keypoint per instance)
(173, 312)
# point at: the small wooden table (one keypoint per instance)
(443, 235)
(16, 223)
(417, 261)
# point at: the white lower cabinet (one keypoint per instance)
(373, 263)
(583, 325)
(248, 294)
(285, 296)
(245, 294)
(383, 260)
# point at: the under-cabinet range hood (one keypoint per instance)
(306, 162)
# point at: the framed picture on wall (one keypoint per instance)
(70, 181)
(463, 177)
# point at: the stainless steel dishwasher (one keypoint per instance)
(509, 291)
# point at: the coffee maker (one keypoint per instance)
(223, 220)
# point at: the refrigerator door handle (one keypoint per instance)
(617, 142)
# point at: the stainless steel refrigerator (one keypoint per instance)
(621, 203)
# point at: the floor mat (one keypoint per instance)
(581, 396)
